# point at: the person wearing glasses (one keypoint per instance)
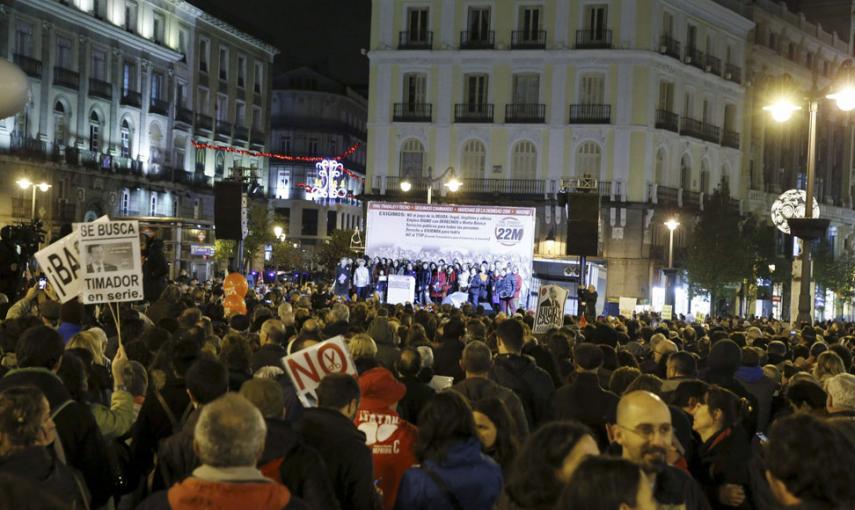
(644, 433)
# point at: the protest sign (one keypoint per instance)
(60, 261)
(667, 311)
(111, 262)
(550, 308)
(306, 368)
(401, 290)
(626, 306)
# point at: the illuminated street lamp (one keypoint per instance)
(406, 186)
(279, 232)
(670, 272)
(672, 225)
(453, 183)
(25, 183)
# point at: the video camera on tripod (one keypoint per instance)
(27, 236)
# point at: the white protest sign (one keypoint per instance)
(111, 262)
(626, 306)
(306, 368)
(60, 261)
(667, 311)
(550, 308)
(700, 317)
(400, 290)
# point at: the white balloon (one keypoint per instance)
(13, 89)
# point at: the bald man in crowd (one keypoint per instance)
(644, 433)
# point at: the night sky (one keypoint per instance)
(324, 34)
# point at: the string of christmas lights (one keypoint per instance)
(283, 157)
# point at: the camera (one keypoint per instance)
(28, 237)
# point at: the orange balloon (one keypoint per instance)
(235, 284)
(234, 304)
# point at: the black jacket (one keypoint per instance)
(36, 464)
(268, 355)
(348, 459)
(81, 439)
(674, 487)
(724, 459)
(176, 458)
(336, 328)
(446, 359)
(479, 388)
(301, 467)
(417, 396)
(531, 383)
(585, 401)
(155, 271)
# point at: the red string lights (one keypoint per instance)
(283, 157)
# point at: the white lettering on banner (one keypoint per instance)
(60, 261)
(550, 308)
(307, 367)
(111, 262)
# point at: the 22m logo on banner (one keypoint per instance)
(509, 231)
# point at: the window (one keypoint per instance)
(688, 105)
(285, 143)
(219, 164)
(691, 37)
(475, 90)
(685, 173)
(24, 38)
(59, 124)
(705, 178)
(667, 24)
(176, 205)
(98, 8)
(414, 88)
(257, 77)
(181, 94)
(125, 204)
(725, 178)
(659, 173)
(479, 23)
(182, 41)
(155, 138)
(526, 88)
(152, 204)
(773, 41)
(333, 147)
(412, 159)
(157, 91)
(129, 77)
(256, 118)
(64, 54)
(666, 96)
(730, 117)
(130, 16)
(99, 65)
(203, 101)
(224, 64)
(203, 55)
(596, 21)
(791, 51)
(201, 160)
(529, 22)
(197, 208)
(222, 107)
(707, 112)
(94, 131)
(332, 216)
(313, 146)
(125, 140)
(709, 47)
(240, 114)
(524, 161)
(241, 79)
(158, 28)
(474, 159)
(588, 159)
(592, 89)
(417, 24)
(283, 183)
(309, 226)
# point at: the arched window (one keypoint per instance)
(412, 161)
(725, 179)
(524, 161)
(588, 160)
(474, 159)
(126, 139)
(659, 172)
(152, 206)
(94, 131)
(219, 164)
(685, 173)
(155, 138)
(60, 134)
(705, 178)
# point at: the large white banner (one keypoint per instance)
(111, 262)
(468, 234)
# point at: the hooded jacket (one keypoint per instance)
(36, 464)
(473, 478)
(531, 384)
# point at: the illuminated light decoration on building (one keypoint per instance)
(284, 157)
(330, 181)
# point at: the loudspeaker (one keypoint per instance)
(227, 216)
(583, 224)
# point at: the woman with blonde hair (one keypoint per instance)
(363, 350)
(828, 364)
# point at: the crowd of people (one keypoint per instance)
(496, 285)
(176, 406)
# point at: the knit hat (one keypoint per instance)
(266, 395)
(379, 389)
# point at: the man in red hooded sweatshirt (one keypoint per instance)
(390, 437)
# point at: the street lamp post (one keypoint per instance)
(453, 183)
(670, 272)
(25, 183)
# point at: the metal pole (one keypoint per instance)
(33, 215)
(804, 286)
(670, 248)
(430, 188)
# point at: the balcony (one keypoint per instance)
(158, 106)
(412, 112)
(90, 158)
(473, 112)
(667, 120)
(66, 78)
(102, 89)
(528, 40)
(204, 122)
(730, 139)
(711, 133)
(692, 127)
(241, 133)
(695, 58)
(669, 46)
(415, 40)
(28, 148)
(29, 65)
(484, 40)
(184, 115)
(713, 65)
(131, 98)
(525, 113)
(590, 114)
(224, 128)
(733, 73)
(593, 39)
(504, 186)
(257, 137)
